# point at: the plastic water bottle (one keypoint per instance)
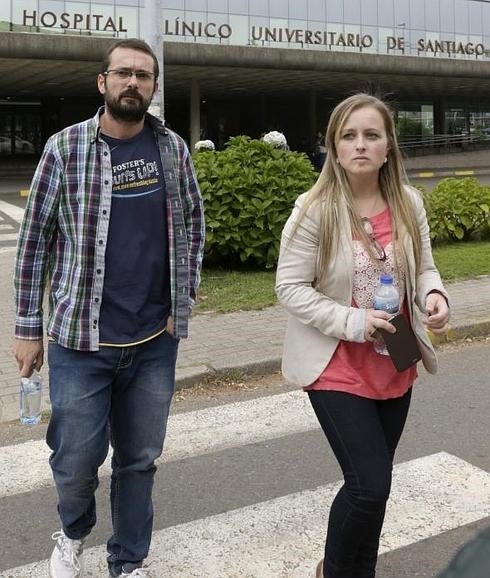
(31, 390)
(386, 299)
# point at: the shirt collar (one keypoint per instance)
(95, 129)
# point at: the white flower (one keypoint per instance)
(276, 139)
(204, 144)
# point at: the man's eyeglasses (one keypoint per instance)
(127, 73)
(368, 228)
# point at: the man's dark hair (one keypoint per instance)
(134, 44)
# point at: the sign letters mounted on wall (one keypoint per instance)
(124, 21)
(302, 38)
(74, 21)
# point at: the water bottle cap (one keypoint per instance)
(386, 279)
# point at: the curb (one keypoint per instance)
(464, 331)
(252, 368)
(454, 333)
(440, 173)
(193, 375)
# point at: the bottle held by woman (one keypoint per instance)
(386, 299)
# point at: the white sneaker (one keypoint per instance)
(137, 573)
(67, 557)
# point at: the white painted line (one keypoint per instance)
(284, 537)
(9, 237)
(189, 434)
(14, 212)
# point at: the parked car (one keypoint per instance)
(22, 146)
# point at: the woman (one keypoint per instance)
(359, 220)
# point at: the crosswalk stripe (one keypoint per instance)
(14, 212)
(283, 537)
(189, 434)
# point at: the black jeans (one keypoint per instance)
(363, 434)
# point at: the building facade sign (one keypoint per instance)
(303, 38)
(431, 28)
(73, 21)
(119, 19)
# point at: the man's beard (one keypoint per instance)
(128, 110)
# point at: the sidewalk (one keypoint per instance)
(248, 341)
(471, 163)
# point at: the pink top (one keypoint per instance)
(355, 367)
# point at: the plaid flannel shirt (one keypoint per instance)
(64, 234)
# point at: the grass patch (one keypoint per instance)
(225, 291)
(463, 260)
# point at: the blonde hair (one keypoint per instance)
(333, 194)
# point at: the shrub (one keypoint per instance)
(458, 209)
(249, 189)
(407, 127)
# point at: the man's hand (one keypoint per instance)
(169, 328)
(29, 355)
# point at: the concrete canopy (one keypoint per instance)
(34, 66)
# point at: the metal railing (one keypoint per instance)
(444, 143)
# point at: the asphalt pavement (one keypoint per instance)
(246, 481)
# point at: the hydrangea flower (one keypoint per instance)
(204, 145)
(276, 139)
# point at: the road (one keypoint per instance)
(248, 479)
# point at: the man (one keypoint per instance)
(115, 218)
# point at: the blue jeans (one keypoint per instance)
(363, 434)
(117, 394)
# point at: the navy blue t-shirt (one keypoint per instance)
(136, 296)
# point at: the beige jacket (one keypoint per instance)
(320, 312)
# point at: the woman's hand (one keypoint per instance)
(376, 319)
(437, 311)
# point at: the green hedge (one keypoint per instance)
(458, 210)
(249, 189)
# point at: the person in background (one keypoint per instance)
(320, 151)
(114, 222)
(359, 220)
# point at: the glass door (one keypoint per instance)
(27, 131)
(20, 130)
(5, 133)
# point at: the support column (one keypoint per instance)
(440, 116)
(153, 35)
(195, 113)
(312, 123)
(262, 114)
(312, 111)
